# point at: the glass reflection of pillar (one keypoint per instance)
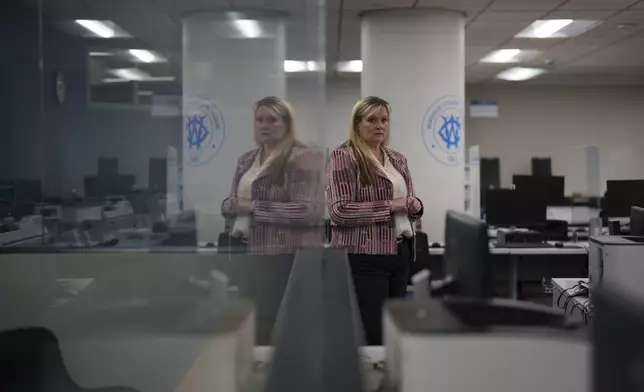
(230, 60)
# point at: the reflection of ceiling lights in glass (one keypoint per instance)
(350, 66)
(510, 56)
(146, 56)
(101, 54)
(248, 28)
(133, 74)
(517, 74)
(130, 73)
(300, 66)
(556, 28)
(97, 27)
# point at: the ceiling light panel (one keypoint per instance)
(350, 66)
(556, 28)
(510, 56)
(106, 29)
(146, 56)
(517, 74)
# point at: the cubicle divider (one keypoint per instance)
(318, 329)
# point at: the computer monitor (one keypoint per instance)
(621, 195)
(467, 255)
(618, 344)
(507, 207)
(551, 188)
(637, 221)
(542, 167)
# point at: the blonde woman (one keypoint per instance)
(275, 206)
(372, 207)
(275, 198)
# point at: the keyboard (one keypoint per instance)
(522, 245)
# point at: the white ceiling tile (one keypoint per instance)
(482, 72)
(509, 16)
(525, 5)
(581, 14)
(636, 16)
(365, 5)
(598, 4)
(567, 51)
(474, 53)
(533, 44)
(468, 6)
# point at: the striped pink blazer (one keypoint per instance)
(361, 215)
(285, 216)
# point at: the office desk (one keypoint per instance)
(372, 357)
(562, 290)
(515, 255)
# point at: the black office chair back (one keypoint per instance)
(31, 361)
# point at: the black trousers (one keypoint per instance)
(377, 278)
(263, 280)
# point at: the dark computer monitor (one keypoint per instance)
(621, 195)
(637, 221)
(107, 167)
(618, 343)
(490, 175)
(507, 207)
(551, 188)
(158, 174)
(467, 255)
(542, 167)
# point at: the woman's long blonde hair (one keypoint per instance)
(363, 108)
(285, 147)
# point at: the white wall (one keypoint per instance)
(537, 121)
(534, 121)
(340, 96)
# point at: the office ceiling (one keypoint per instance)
(609, 54)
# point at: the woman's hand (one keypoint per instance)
(229, 205)
(245, 206)
(413, 205)
(399, 205)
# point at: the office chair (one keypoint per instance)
(31, 361)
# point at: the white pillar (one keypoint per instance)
(230, 61)
(415, 60)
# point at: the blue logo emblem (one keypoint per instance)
(204, 131)
(442, 130)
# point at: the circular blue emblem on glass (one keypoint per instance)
(204, 130)
(442, 130)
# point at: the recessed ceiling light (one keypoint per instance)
(510, 56)
(516, 74)
(350, 66)
(556, 28)
(502, 56)
(146, 56)
(97, 27)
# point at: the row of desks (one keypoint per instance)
(516, 255)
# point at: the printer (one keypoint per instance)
(617, 261)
